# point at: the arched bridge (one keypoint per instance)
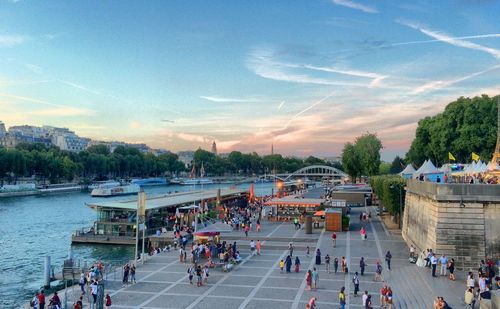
(314, 170)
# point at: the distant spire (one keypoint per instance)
(214, 148)
(272, 148)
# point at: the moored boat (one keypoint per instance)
(196, 181)
(116, 191)
(150, 182)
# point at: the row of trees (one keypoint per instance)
(465, 126)
(362, 157)
(97, 162)
(252, 164)
(388, 188)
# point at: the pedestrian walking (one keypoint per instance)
(290, 249)
(34, 302)
(355, 280)
(443, 260)
(107, 301)
(335, 264)
(342, 299)
(383, 292)
(93, 290)
(199, 274)
(469, 298)
(132, 274)
(297, 264)
(206, 274)
(191, 272)
(258, 225)
(368, 302)
(451, 268)
(308, 251)
(312, 303)
(378, 272)
(41, 299)
(247, 228)
(315, 278)
(343, 264)
(252, 247)
(388, 257)
(388, 298)
(327, 263)
(282, 265)
(82, 282)
(362, 265)
(434, 262)
(181, 255)
(288, 264)
(126, 270)
(308, 280)
(258, 246)
(318, 257)
(334, 239)
(364, 298)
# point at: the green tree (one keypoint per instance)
(368, 148)
(351, 161)
(397, 166)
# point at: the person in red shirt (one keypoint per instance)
(334, 239)
(41, 300)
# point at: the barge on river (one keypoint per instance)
(116, 220)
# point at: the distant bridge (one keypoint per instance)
(313, 171)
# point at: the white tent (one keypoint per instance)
(408, 170)
(427, 168)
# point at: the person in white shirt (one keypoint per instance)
(444, 263)
(364, 298)
(434, 262)
(252, 246)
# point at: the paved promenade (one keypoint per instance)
(258, 283)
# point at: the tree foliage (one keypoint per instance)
(397, 166)
(388, 189)
(362, 157)
(465, 126)
(97, 162)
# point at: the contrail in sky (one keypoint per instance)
(281, 105)
(308, 108)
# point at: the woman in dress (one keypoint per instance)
(308, 280)
(297, 264)
(451, 268)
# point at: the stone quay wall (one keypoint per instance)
(459, 220)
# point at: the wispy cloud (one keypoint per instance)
(34, 68)
(307, 109)
(262, 63)
(57, 110)
(443, 37)
(467, 37)
(219, 99)
(11, 40)
(440, 84)
(65, 111)
(356, 6)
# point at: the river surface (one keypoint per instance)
(33, 227)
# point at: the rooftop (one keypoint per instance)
(168, 200)
(292, 201)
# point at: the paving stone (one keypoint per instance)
(130, 298)
(231, 291)
(218, 303)
(171, 301)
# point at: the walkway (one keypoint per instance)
(258, 283)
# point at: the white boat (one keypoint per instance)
(196, 181)
(150, 182)
(104, 184)
(115, 191)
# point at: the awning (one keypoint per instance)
(320, 213)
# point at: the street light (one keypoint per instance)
(400, 204)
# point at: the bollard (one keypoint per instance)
(46, 272)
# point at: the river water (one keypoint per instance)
(33, 227)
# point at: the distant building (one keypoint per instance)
(3, 131)
(333, 159)
(186, 157)
(214, 148)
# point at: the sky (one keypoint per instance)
(306, 76)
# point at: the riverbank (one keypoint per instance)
(33, 227)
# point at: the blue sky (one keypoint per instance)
(307, 76)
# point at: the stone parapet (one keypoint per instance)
(459, 220)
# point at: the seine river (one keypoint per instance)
(33, 227)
